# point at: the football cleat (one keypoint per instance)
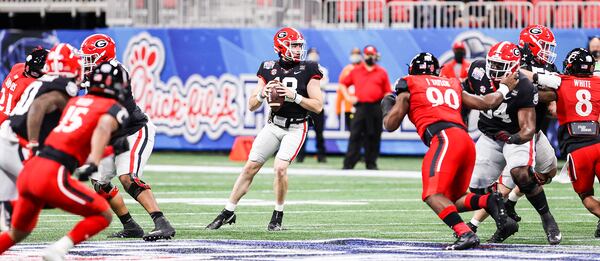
(276, 220)
(465, 241)
(130, 230)
(162, 230)
(597, 234)
(510, 210)
(551, 228)
(226, 217)
(505, 226)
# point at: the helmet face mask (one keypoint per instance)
(498, 69)
(547, 52)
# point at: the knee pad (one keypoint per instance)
(107, 191)
(136, 187)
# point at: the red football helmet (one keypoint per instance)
(540, 41)
(64, 60)
(502, 59)
(96, 49)
(289, 43)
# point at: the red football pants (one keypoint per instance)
(448, 164)
(584, 164)
(43, 181)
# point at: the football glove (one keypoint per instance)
(84, 172)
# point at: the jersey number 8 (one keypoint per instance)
(583, 99)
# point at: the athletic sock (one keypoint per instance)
(87, 228)
(279, 207)
(230, 206)
(512, 196)
(475, 202)
(125, 218)
(450, 216)
(155, 215)
(539, 202)
(5, 242)
(475, 222)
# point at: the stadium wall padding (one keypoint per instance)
(194, 83)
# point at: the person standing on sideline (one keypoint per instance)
(459, 66)
(594, 48)
(371, 84)
(355, 59)
(317, 119)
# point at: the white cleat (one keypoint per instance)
(53, 254)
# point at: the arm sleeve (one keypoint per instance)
(313, 71)
(120, 113)
(401, 86)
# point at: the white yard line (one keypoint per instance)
(291, 171)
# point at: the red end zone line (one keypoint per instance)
(291, 171)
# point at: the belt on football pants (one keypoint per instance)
(284, 122)
(70, 162)
(434, 128)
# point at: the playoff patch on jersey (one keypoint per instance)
(268, 65)
(478, 73)
(72, 89)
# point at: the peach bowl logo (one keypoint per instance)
(199, 106)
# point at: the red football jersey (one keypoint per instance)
(578, 99)
(432, 99)
(12, 88)
(73, 135)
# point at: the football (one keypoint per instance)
(275, 101)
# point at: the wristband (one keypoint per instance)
(298, 98)
(504, 90)
(259, 97)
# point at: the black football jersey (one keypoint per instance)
(45, 84)
(291, 75)
(137, 119)
(541, 110)
(504, 117)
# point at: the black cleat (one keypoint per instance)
(465, 241)
(130, 230)
(162, 230)
(508, 229)
(510, 210)
(226, 217)
(551, 228)
(505, 226)
(276, 220)
(597, 234)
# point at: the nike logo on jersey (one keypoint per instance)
(296, 73)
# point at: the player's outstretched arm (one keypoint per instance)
(106, 125)
(491, 100)
(546, 80)
(42, 105)
(393, 117)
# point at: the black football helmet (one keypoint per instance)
(109, 80)
(424, 64)
(35, 61)
(579, 62)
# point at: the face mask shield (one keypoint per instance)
(497, 69)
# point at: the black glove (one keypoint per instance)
(508, 138)
(120, 145)
(387, 103)
(84, 172)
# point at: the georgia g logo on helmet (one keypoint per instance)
(535, 30)
(282, 34)
(101, 43)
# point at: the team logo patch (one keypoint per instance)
(274, 71)
(516, 52)
(302, 67)
(282, 34)
(101, 43)
(482, 89)
(535, 30)
(269, 65)
(478, 73)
